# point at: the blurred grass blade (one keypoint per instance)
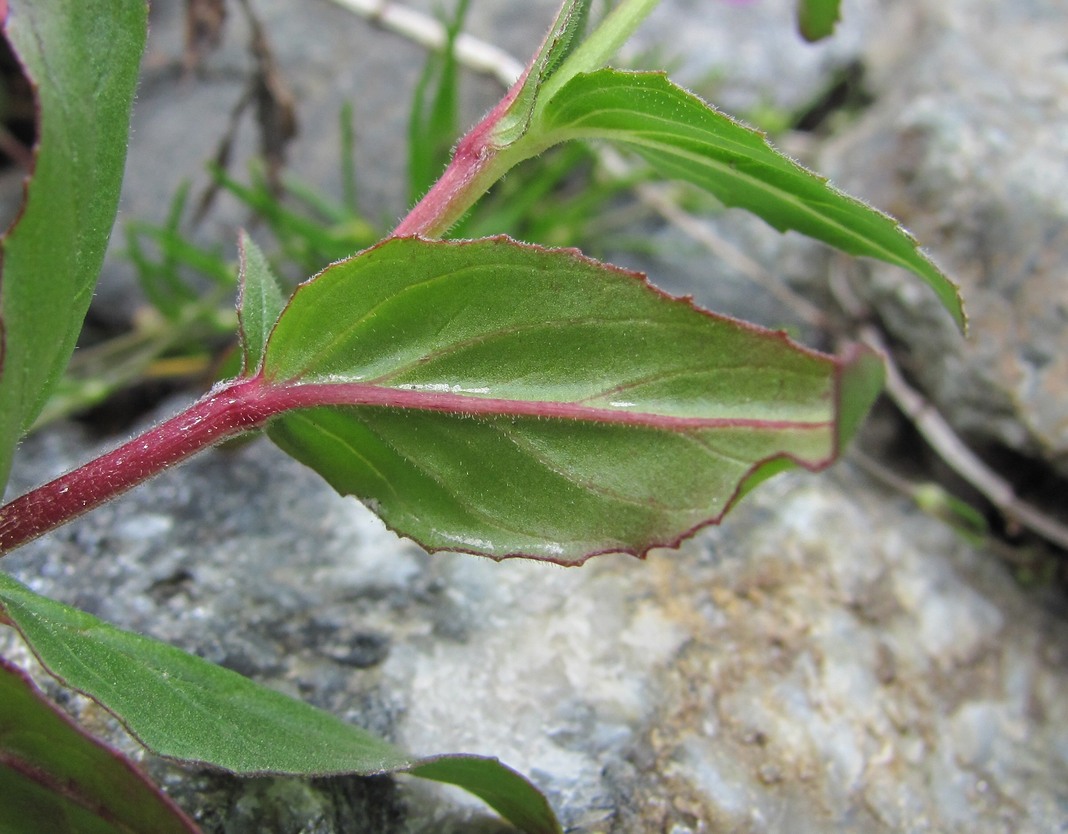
(509, 400)
(307, 241)
(816, 19)
(435, 124)
(56, 778)
(348, 158)
(684, 138)
(82, 57)
(188, 709)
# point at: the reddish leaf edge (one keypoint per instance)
(46, 781)
(26, 180)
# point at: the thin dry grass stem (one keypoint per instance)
(941, 437)
(473, 53)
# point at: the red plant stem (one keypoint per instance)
(469, 175)
(226, 411)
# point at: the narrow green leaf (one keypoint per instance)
(55, 778)
(599, 47)
(816, 19)
(500, 787)
(684, 138)
(434, 124)
(510, 400)
(564, 35)
(260, 301)
(82, 56)
(188, 709)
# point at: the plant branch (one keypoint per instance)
(227, 411)
(476, 165)
(481, 56)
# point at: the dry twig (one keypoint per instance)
(473, 53)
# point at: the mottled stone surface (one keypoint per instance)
(966, 144)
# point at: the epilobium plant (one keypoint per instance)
(487, 396)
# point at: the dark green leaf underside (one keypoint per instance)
(534, 402)
(188, 709)
(53, 777)
(686, 139)
(83, 57)
(548, 488)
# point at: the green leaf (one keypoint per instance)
(56, 778)
(188, 709)
(862, 380)
(561, 40)
(598, 48)
(510, 400)
(500, 787)
(816, 19)
(259, 303)
(684, 138)
(566, 33)
(563, 54)
(82, 56)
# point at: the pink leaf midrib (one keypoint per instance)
(312, 394)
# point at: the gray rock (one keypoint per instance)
(966, 145)
(828, 660)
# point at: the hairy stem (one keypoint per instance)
(475, 166)
(228, 410)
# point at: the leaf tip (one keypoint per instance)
(860, 378)
(260, 301)
(817, 19)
